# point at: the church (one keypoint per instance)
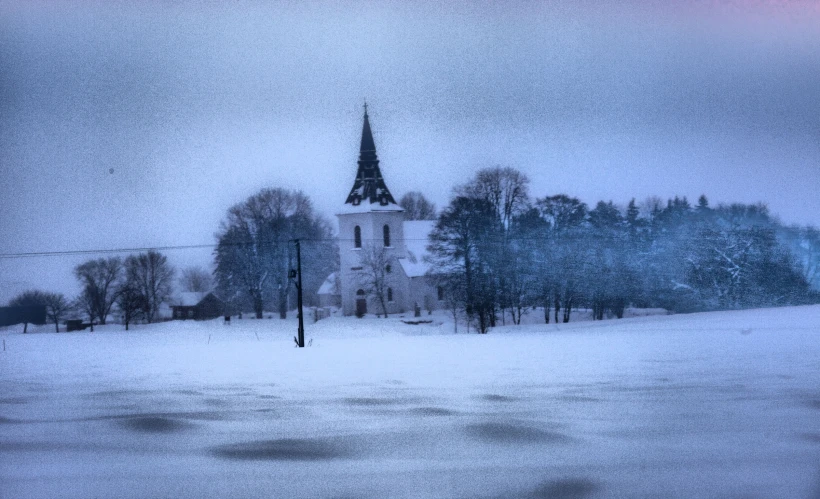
(372, 230)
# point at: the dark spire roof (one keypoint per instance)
(369, 186)
(367, 136)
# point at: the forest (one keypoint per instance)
(499, 253)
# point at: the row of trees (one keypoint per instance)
(498, 252)
(495, 250)
(135, 286)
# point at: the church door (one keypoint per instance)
(361, 303)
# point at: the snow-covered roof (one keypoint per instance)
(415, 240)
(366, 207)
(329, 286)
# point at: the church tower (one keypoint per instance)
(369, 220)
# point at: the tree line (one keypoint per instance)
(134, 286)
(498, 253)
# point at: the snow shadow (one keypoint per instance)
(492, 397)
(15, 400)
(513, 433)
(117, 394)
(812, 402)
(811, 437)
(376, 401)
(155, 424)
(286, 449)
(565, 488)
(432, 411)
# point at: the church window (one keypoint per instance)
(389, 294)
(388, 268)
(357, 237)
(386, 236)
(440, 292)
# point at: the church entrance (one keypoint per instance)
(361, 303)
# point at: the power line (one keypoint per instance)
(103, 251)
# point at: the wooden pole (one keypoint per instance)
(299, 294)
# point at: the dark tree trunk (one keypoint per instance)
(567, 309)
(56, 327)
(25, 327)
(257, 306)
(547, 311)
(618, 307)
(557, 306)
(283, 304)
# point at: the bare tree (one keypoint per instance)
(56, 308)
(255, 248)
(151, 275)
(417, 207)
(461, 254)
(505, 188)
(99, 279)
(195, 279)
(131, 303)
(375, 263)
(32, 304)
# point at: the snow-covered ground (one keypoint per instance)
(706, 405)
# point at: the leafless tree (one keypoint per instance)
(373, 276)
(56, 308)
(131, 303)
(99, 279)
(151, 275)
(255, 248)
(195, 279)
(417, 207)
(505, 188)
(28, 300)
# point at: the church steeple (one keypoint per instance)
(369, 186)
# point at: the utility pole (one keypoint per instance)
(300, 341)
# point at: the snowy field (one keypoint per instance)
(720, 405)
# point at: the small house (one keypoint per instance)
(197, 306)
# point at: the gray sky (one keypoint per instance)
(197, 105)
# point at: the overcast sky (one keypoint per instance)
(198, 105)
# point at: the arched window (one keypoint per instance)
(357, 237)
(388, 268)
(440, 292)
(386, 236)
(389, 294)
(360, 293)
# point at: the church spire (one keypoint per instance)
(369, 186)
(367, 136)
